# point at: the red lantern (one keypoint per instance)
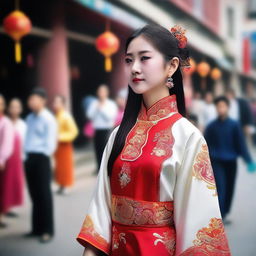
(190, 70)
(216, 74)
(107, 44)
(17, 25)
(203, 68)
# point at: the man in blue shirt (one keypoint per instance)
(226, 142)
(40, 144)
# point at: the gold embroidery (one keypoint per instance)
(168, 239)
(133, 147)
(202, 168)
(165, 142)
(134, 212)
(159, 109)
(210, 240)
(138, 135)
(117, 238)
(124, 175)
(89, 233)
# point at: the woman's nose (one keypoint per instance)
(136, 67)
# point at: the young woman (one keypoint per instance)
(16, 173)
(64, 163)
(155, 193)
(7, 174)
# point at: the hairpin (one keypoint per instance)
(179, 33)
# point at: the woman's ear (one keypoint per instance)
(173, 65)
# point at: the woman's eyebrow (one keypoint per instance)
(140, 52)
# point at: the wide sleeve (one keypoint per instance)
(7, 139)
(197, 218)
(69, 130)
(96, 229)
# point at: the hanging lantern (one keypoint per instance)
(107, 44)
(190, 70)
(203, 68)
(216, 74)
(17, 25)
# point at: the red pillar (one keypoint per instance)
(54, 67)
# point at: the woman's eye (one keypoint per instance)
(127, 60)
(144, 58)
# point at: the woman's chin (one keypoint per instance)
(138, 89)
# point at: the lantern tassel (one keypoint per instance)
(108, 64)
(17, 51)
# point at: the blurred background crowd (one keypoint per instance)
(63, 90)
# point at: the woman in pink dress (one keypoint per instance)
(11, 177)
(17, 157)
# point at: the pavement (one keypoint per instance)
(70, 211)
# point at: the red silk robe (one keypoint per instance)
(161, 198)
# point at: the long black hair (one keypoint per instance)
(167, 44)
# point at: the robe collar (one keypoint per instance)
(159, 110)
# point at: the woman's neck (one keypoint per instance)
(151, 97)
(14, 119)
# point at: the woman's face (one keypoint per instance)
(145, 66)
(15, 108)
(57, 104)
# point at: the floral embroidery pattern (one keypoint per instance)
(117, 238)
(136, 140)
(202, 168)
(168, 239)
(160, 109)
(124, 175)
(210, 241)
(143, 213)
(88, 233)
(138, 135)
(165, 142)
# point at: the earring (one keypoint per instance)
(169, 82)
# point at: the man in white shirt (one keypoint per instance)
(40, 144)
(102, 112)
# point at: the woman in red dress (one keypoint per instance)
(155, 192)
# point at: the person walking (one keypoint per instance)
(226, 142)
(40, 144)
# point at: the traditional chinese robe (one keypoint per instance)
(161, 198)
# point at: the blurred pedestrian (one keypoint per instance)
(40, 144)
(15, 110)
(16, 173)
(240, 111)
(253, 108)
(103, 113)
(226, 142)
(209, 111)
(7, 189)
(120, 101)
(197, 108)
(67, 132)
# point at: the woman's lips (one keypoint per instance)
(137, 80)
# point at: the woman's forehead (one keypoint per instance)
(139, 45)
